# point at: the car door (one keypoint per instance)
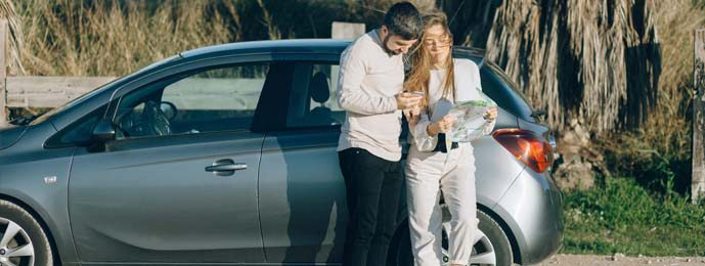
(179, 184)
(303, 205)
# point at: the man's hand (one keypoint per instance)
(444, 125)
(412, 115)
(407, 100)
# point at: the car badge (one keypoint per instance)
(49, 179)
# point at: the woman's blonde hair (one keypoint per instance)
(421, 64)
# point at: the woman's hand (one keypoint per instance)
(491, 114)
(441, 126)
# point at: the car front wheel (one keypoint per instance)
(22, 240)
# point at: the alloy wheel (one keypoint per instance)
(15, 245)
(483, 252)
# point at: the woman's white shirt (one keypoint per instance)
(467, 87)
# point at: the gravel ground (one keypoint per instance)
(619, 259)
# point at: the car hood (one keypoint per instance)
(11, 135)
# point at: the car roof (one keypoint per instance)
(301, 45)
(296, 45)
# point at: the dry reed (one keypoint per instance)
(595, 61)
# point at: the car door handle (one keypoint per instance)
(225, 167)
(230, 167)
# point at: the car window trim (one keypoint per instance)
(124, 85)
(176, 77)
(217, 61)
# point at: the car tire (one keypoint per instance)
(496, 241)
(25, 232)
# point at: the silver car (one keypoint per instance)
(226, 154)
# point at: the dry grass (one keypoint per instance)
(668, 128)
(7, 11)
(65, 37)
(661, 147)
(116, 37)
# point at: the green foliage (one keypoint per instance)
(657, 158)
(621, 216)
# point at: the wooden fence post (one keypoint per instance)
(4, 47)
(698, 181)
(346, 30)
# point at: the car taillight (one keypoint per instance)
(526, 147)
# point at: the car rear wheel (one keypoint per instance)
(492, 246)
(22, 240)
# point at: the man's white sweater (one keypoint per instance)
(369, 79)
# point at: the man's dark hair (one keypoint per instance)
(404, 20)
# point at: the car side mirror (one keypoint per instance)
(104, 131)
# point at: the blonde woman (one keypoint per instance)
(432, 167)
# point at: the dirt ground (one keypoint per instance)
(619, 259)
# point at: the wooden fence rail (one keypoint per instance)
(48, 92)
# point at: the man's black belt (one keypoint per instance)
(441, 145)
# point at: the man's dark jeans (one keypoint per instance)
(373, 186)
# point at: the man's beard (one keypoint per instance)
(386, 47)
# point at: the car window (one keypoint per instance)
(502, 90)
(313, 99)
(507, 81)
(207, 100)
(78, 133)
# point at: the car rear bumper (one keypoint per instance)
(532, 207)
